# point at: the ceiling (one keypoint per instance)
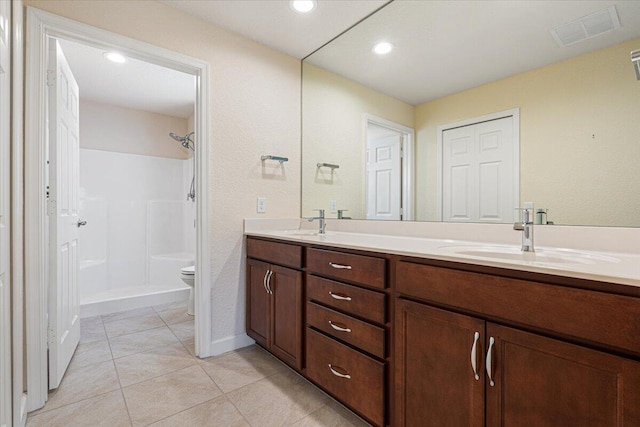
(444, 47)
(148, 87)
(135, 84)
(275, 24)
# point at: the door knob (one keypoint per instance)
(81, 223)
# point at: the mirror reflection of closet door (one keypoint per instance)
(478, 170)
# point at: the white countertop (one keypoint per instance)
(613, 267)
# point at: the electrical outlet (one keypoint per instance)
(262, 205)
(333, 206)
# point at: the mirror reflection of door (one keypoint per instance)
(478, 169)
(383, 180)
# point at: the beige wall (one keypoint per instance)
(255, 110)
(333, 132)
(579, 133)
(112, 128)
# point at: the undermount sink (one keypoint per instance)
(547, 256)
(300, 232)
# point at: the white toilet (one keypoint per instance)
(188, 276)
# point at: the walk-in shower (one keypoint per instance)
(187, 142)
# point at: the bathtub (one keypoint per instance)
(163, 285)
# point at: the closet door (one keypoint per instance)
(478, 172)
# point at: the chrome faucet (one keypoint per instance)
(526, 226)
(321, 224)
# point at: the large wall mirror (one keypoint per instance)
(480, 107)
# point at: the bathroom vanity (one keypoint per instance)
(433, 337)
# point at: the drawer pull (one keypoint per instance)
(339, 297)
(264, 280)
(339, 327)
(474, 361)
(339, 266)
(269, 282)
(338, 374)
(489, 374)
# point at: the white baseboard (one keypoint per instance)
(224, 345)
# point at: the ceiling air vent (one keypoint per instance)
(589, 26)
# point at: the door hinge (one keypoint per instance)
(51, 77)
(51, 207)
(51, 337)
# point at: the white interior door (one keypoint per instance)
(383, 177)
(478, 172)
(5, 257)
(64, 305)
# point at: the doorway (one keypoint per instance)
(388, 170)
(479, 169)
(42, 28)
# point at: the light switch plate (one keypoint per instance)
(333, 206)
(262, 205)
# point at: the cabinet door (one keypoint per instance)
(544, 382)
(434, 381)
(258, 303)
(286, 343)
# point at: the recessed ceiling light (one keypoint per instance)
(303, 6)
(115, 57)
(382, 48)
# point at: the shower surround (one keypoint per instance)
(140, 230)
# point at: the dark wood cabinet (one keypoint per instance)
(274, 309)
(346, 335)
(435, 382)
(412, 342)
(545, 382)
(286, 315)
(520, 378)
(258, 303)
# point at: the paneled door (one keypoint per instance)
(5, 257)
(62, 207)
(478, 172)
(383, 178)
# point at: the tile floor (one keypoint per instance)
(138, 368)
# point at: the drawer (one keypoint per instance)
(360, 334)
(357, 380)
(357, 301)
(612, 320)
(365, 270)
(276, 252)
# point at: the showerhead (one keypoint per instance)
(184, 140)
(635, 60)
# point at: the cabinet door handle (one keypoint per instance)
(339, 266)
(339, 297)
(339, 327)
(264, 280)
(488, 364)
(474, 361)
(338, 374)
(269, 282)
